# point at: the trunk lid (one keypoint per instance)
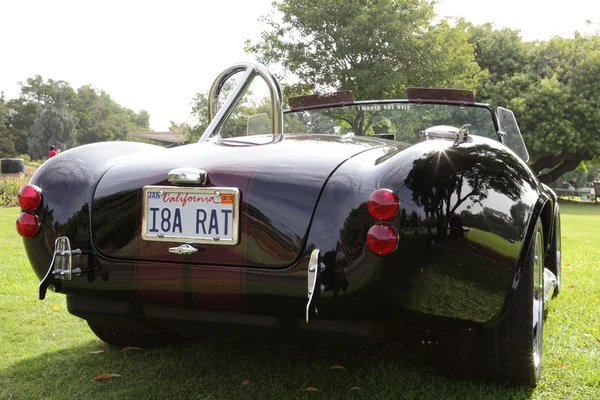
(279, 185)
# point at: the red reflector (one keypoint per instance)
(383, 204)
(382, 239)
(28, 224)
(29, 197)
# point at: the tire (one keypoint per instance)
(117, 336)
(510, 353)
(12, 165)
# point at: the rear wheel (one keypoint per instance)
(510, 353)
(118, 336)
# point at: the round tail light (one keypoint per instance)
(383, 204)
(29, 197)
(28, 224)
(382, 239)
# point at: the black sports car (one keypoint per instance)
(367, 218)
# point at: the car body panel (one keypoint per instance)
(418, 278)
(279, 186)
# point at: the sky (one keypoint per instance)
(156, 55)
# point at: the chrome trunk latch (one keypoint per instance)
(183, 249)
(188, 175)
(315, 288)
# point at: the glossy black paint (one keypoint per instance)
(466, 217)
(279, 184)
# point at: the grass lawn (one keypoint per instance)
(45, 352)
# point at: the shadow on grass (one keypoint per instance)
(225, 369)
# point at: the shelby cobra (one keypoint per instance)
(369, 218)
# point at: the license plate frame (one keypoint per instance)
(187, 196)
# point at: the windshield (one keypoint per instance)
(401, 121)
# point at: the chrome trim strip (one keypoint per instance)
(235, 235)
(218, 119)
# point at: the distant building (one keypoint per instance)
(171, 138)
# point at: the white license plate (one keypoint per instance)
(190, 214)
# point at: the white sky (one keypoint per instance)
(156, 55)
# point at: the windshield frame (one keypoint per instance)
(419, 102)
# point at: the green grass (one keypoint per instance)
(44, 350)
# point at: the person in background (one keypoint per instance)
(53, 151)
(573, 182)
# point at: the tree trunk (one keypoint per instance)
(559, 164)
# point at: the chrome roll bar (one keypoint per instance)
(250, 70)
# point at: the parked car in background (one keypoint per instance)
(346, 218)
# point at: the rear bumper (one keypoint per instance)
(194, 323)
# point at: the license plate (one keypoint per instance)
(189, 214)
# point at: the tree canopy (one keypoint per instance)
(50, 112)
(553, 88)
(377, 48)
(374, 48)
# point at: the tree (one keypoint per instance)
(251, 116)
(179, 127)
(142, 119)
(552, 87)
(502, 52)
(561, 114)
(54, 125)
(35, 93)
(374, 48)
(7, 141)
(102, 119)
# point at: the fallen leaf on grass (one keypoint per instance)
(597, 340)
(571, 286)
(133, 348)
(311, 389)
(246, 382)
(56, 308)
(561, 365)
(394, 344)
(104, 377)
(336, 367)
(355, 388)
(96, 351)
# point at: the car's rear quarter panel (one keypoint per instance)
(464, 273)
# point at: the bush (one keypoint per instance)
(9, 189)
(36, 163)
(25, 157)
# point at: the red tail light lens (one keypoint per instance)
(29, 197)
(28, 224)
(382, 239)
(383, 204)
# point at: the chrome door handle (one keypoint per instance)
(183, 249)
